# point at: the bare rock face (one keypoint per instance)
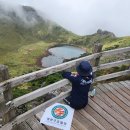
(107, 33)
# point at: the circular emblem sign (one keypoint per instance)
(59, 112)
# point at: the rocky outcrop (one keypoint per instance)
(105, 33)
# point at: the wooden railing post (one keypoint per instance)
(97, 49)
(7, 114)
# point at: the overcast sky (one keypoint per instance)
(84, 17)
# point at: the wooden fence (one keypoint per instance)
(10, 119)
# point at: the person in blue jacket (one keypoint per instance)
(81, 83)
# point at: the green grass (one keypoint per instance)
(12, 37)
(24, 60)
(117, 43)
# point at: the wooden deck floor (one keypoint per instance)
(108, 110)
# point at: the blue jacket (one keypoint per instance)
(80, 89)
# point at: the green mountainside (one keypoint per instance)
(108, 39)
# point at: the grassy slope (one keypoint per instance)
(11, 41)
(24, 60)
(118, 42)
(11, 38)
(107, 42)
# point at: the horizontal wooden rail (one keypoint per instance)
(44, 72)
(37, 93)
(34, 111)
(112, 64)
(113, 75)
(115, 51)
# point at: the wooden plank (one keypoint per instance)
(99, 118)
(35, 124)
(113, 75)
(102, 96)
(4, 74)
(38, 116)
(44, 72)
(96, 49)
(51, 128)
(120, 91)
(85, 122)
(7, 114)
(112, 64)
(105, 115)
(114, 98)
(95, 61)
(78, 125)
(127, 81)
(113, 113)
(72, 128)
(2, 105)
(125, 84)
(109, 87)
(90, 118)
(115, 51)
(23, 126)
(37, 93)
(35, 110)
(123, 88)
(8, 126)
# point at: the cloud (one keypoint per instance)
(13, 11)
(84, 17)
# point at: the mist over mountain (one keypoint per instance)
(21, 15)
(23, 25)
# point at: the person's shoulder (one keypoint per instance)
(85, 80)
(77, 77)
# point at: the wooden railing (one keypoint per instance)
(7, 85)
